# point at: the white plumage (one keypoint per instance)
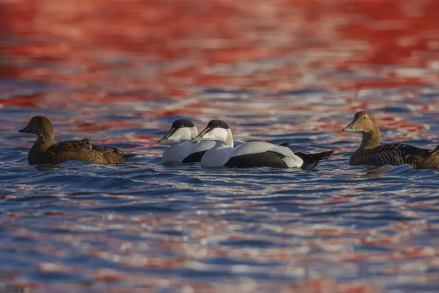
(180, 152)
(183, 150)
(251, 154)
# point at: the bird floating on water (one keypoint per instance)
(250, 154)
(46, 151)
(183, 150)
(372, 153)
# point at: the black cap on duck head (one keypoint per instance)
(217, 130)
(40, 126)
(181, 129)
(217, 124)
(182, 123)
(363, 121)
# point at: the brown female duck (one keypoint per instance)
(372, 153)
(45, 151)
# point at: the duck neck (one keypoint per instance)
(44, 141)
(46, 135)
(219, 144)
(229, 139)
(370, 140)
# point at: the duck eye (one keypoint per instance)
(364, 117)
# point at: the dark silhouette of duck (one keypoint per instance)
(46, 151)
(372, 153)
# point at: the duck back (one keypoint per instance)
(83, 150)
(396, 154)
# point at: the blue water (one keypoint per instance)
(84, 227)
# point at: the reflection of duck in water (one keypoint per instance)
(184, 151)
(251, 154)
(45, 151)
(372, 153)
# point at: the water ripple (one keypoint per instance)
(147, 226)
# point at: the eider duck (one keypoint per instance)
(251, 154)
(372, 153)
(46, 151)
(184, 151)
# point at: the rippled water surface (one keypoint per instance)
(285, 71)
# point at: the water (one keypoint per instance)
(278, 72)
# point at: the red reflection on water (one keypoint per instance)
(208, 43)
(216, 43)
(223, 32)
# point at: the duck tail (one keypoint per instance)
(118, 151)
(311, 160)
(127, 156)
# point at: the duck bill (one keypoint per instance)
(25, 130)
(201, 135)
(166, 137)
(350, 127)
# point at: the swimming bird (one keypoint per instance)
(372, 153)
(184, 151)
(46, 151)
(250, 154)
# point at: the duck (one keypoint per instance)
(46, 151)
(183, 150)
(251, 154)
(372, 153)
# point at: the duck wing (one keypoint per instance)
(110, 151)
(71, 146)
(113, 152)
(393, 154)
(102, 149)
(78, 145)
(83, 150)
(262, 154)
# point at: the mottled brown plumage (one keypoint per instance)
(45, 151)
(372, 153)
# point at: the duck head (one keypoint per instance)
(217, 130)
(181, 129)
(40, 126)
(363, 122)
